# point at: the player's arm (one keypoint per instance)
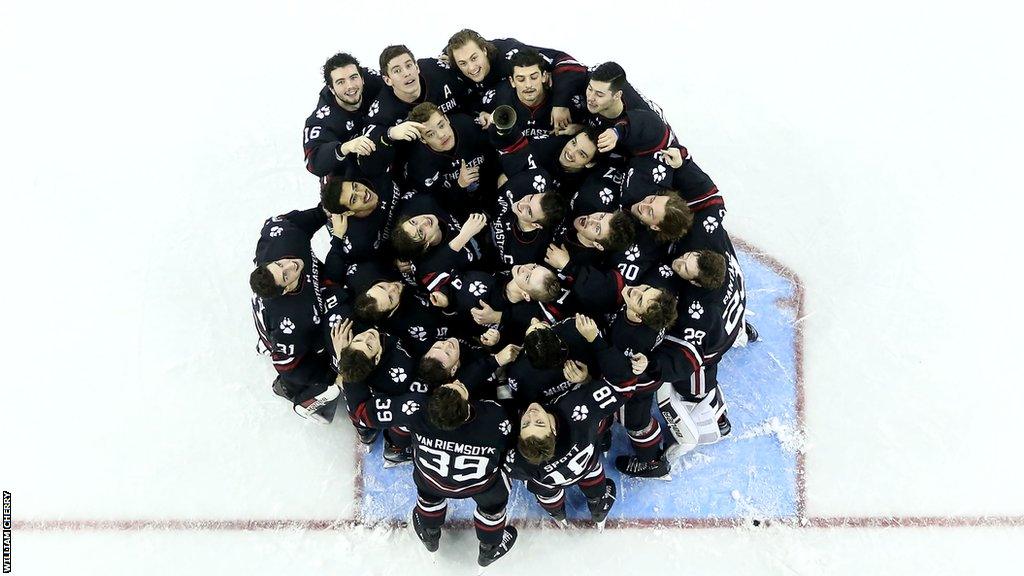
(307, 221)
(320, 145)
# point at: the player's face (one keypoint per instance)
(460, 388)
(530, 278)
(687, 266)
(386, 295)
(593, 227)
(358, 198)
(600, 96)
(535, 422)
(472, 61)
(368, 343)
(423, 228)
(638, 298)
(537, 324)
(438, 133)
(578, 153)
(529, 83)
(286, 271)
(528, 209)
(347, 86)
(403, 74)
(650, 210)
(446, 352)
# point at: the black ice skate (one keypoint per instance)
(559, 516)
(752, 334)
(395, 456)
(431, 537)
(279, 389)
(600, 506)
(633, 466)
(367, 435)
(491, 552)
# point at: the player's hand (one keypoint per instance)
(407, 131)
(474, 224)
(468, 175)
(575, 372)
(560, 118)
(507, 355)
(485, 315)
(568, 130)
(607, 140)
(438, 299)
(404, 266)
(341, 336)
(671, 156)
(339, 224)
(360, 145)
(484, 120)
(586, 327)
(556, 256)
(490, 337)
(639, 362)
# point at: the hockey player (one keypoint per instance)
(411, 82)
(458, 447)
(453, 359)
(609, 95)
(558, 446)
(507, 301)
(670, 169)
(526, 217)
(486, 65)
(455, 162)
(287, 308)
(529, 96)
(381, 299)
(556, 359)
(333, 131)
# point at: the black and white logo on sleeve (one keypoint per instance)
(579, 413)
(323, 112)
(398, 374)
(287, 326)
(696, 310)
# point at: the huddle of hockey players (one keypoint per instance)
(522, 256)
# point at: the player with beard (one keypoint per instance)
(455, 162)
(558, 445)
(410, 82)
(609, 96)
(287, 308)
(333, 132)
(528, 93)
(486, 64)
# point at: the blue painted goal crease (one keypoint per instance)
(750, 473)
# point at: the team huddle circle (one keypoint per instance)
(522, 257)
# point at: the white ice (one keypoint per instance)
(872, 147)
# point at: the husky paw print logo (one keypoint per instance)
(505, 427)
(346, 245)
(334, 320)
(658, 173)
(488, 96)
(695, 310)
(628, 352)
(539, 183)
(408, 194)
(323, 112)
(398, 374)
(606, 195)
(579, 413)
(374, 108)
(352, 269)
(276, 231)
(511, 53)
(711, 224)
(665, 270)
(513, 384)
(350, 125)
(442, 63)
(287, 326)
(477, 288)
(410, 407)
(632, 253)
(418, 332)
(577, 101)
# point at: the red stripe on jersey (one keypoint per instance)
(519, 145)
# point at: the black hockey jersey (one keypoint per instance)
(650, 175)
(330, 126)
(438, 85)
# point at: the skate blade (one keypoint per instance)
(600, 525)
(390, 464)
